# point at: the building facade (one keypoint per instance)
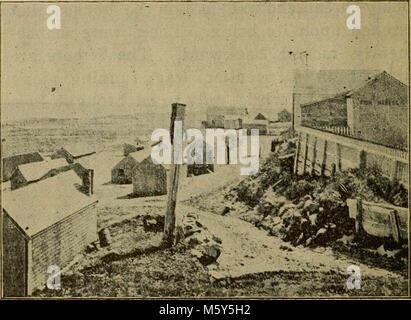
(44, 224)
(376, 110)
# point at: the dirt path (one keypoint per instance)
(247, 250)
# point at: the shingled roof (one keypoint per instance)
(312, 86)
(40, 205)
(36, 170)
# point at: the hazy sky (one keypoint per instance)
(116, 58)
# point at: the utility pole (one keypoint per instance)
(177, 114)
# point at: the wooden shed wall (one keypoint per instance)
(149, 179)
(59, 244)
(14, 259)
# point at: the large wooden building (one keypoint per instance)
(44, 224)
(371, 105)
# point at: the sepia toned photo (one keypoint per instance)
(204, 150)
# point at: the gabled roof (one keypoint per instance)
(36, 170)
(41, 205)
(78, 150)
(312, 86)
(141, 155)
(11, 163)
(251, 120)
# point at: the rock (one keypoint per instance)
(322, 236)
(276, 221)
(285, 248)
(196, 253)
(347, 239)
(307, 197)
(208, 254)
(311, 206)
(285, 208)
(217, 275)
(217, 239)
(300, 204)
(313, 219)
(381, 251)
(91, 247)
(153, 224)
(195, 239)
(275, 231)
(192, 215)
(225, 211)
(104, 237)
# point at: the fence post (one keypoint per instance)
(297, 153)
(338, 164)
(358, 218)
(394, 226)
(394, 170)
(305, 152)
(324, 162)
(362, 159)
(314, 156)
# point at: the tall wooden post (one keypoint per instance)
(177, 114)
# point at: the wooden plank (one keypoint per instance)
(297, 154)
(378, 219)
(338, 164)
(352, 208)
(394, 226)
(314, 159)
(358, 218)
(324, 161)
(394, 171)
(286, 156)
(305, 153)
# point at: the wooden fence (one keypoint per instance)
(380, 220)
(348, 132)
(323, 153)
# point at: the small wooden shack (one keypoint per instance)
(36, 171)
(122, 172)
(232, 122)
(261, 125)
(149, 179)
(197, 169)
(11, 163)
(44, 224)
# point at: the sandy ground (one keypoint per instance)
(245, 249)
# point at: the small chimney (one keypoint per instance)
(88, 181)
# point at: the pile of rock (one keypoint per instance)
(306, 223)
(202, 244)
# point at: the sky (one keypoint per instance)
(121, 58)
